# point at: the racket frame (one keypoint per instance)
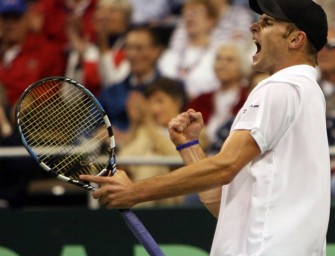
(134, 224)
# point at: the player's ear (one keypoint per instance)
(297, 39)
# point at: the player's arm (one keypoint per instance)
(182, 129)
(211, 198)
(119, 191)
(207, 173)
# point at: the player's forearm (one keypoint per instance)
(210, 173)
(238, 150)
(210, 198)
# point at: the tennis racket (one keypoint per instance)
(66, 130)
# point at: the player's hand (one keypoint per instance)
(186, 127)
(115, 192)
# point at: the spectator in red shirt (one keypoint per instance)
(25, 58)
(70, 24)
(59, 14)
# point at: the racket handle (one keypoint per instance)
(141, 233)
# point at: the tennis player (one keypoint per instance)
(269, 185)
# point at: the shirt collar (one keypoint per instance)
(297, 70)
(134, 82)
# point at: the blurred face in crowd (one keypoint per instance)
(112, 19)
(326, 58)
(13, 28)
(197, 20)
(163, 107)
(74, 4)
(227, 65)
(141, 52)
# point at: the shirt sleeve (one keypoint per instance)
(269, 113)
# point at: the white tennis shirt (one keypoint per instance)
(278, 205)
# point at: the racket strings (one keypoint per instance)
(53, 119)
(43, 109)
(53, 122)
(77, 123)
(44, 89)
(38, 110)
(91, 144)
(73, 165)
(67, 149)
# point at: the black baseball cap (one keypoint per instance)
(305, 14)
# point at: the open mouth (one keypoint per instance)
(258, 46)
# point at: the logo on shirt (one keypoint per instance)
(254, 106)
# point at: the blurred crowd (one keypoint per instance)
(146, 61)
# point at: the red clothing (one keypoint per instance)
(37, 59)
(91, 77)
(205, 103)
(55, 18)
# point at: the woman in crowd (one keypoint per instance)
(192, 62)
(232, 24)
(164, 99)
(220, 106)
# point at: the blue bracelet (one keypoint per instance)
(187, 144)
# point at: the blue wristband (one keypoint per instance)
(187, 144)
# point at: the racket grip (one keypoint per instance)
(141, 233)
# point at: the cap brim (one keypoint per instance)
(270, 8)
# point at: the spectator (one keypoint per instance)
(65, 20)
(112, 20)
(6, 128)
(329, 7)
(142, 50)
(101, 63)
(58, 14)
(25, 58)
(150, 12)
(232, 24)
(164, 99)
(224, 130)
(193, 63)
(220, 106)
(36, 15)
(326, 61)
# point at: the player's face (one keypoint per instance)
(163, 107)
(272, 47)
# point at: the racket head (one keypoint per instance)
(65, 129)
